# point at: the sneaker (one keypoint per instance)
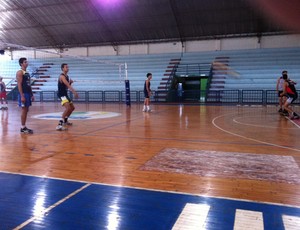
(60, 127)
(67, 123)
(144, 110)
(149, 110)
(280, 110)
(285, 113)
(26, 130)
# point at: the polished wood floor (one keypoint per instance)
(112, 150)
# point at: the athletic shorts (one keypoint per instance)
(64, 99)
(3, 95)
(280, 92)
(27, 100)
(146, 94)
(291, 98)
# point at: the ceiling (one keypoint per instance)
(69, 23)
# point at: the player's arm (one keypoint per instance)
(4, 86)
(31, 93)
(19, 77)
(277, 85)
(284, 89)
(63, 79)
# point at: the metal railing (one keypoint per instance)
(247, 97)
(196, 69)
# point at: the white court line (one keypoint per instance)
(192, 217)
(248, 138)
(293, 122)
(45, 211)
(248, 220)
(291, 222)
(260, 126)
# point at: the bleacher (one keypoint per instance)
(8, 71)
(256, 69)
(102, 73)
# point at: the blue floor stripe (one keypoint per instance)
(110, 207)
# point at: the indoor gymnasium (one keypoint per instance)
(159, 115)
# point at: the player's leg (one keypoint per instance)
(69, 110)
(145, 101)
(24, 112)
(280, 101)
(65, 103)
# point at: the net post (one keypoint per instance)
(127, 86)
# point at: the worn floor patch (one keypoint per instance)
(203, 163)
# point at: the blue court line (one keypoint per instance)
(99, 206)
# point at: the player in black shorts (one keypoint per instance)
(64, 83)
(147, 93)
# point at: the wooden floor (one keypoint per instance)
(111, 150)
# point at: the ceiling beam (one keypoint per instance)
(175, 12)
(49, 38)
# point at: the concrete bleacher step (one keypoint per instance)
(216, 87)
(35, 88)
(217, 82)
(217, 77)
(220, 71)
(173, 63)
(45, 66)
(256, 68)
(161, 87)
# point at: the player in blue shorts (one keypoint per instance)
(25, 95)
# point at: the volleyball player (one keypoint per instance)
(147, 93)
(25, 95)
(63, 84)
(290, 92)
(3, 94)
(279, 89)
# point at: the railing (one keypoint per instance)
(172, 74)
(246, 97)
(197, 69)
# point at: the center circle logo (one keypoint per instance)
(78, 115)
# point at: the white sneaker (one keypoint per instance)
(60, 128)
(144, 110)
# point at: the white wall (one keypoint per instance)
(282, 41)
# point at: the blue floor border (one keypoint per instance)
(98, 206)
